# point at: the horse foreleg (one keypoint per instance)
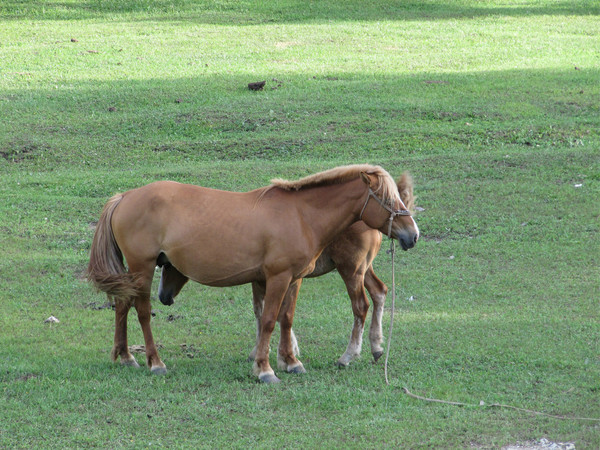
(120, 347)
(354, 280)
(258, 296)
(288, 346)
(378, 291)
(276, 288)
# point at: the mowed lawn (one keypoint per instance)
(493, 106)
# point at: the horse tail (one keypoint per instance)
(106, 270)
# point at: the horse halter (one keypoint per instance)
(393, 212)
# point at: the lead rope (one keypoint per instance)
(498, 405)
(392, 251)
(389, 342)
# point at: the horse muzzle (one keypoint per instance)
(407, 240)
(166, 298)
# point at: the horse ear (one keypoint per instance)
(405, 188)
(405, 183)
(366, 178)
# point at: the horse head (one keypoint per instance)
(385, 210)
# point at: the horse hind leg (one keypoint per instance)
(171, 281)
(141, 302)
(378, 291)
(120, 348)
(144, 312)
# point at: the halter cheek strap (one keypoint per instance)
(393, 212)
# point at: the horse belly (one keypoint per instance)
(213, 266)
(218, 280)
(214, 251)
(323, 265)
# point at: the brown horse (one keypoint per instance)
(273, 235)
(352, 252)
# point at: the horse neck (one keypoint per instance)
(331, 209)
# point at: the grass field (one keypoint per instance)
(493, 106)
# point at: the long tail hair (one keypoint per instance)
(106, 270)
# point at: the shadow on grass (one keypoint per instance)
(231, 12)
(217, 118)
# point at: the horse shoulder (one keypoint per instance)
(356, 244)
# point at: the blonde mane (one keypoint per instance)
(386, 187)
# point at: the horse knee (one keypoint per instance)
(360, 304)
(267, 325)
(286, 319)
(362, 309)
(384, 290)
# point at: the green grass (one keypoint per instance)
(493, 107)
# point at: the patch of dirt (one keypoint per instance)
(142, 348)
(257, 86)
(27, 376)
(98, 306)
(19, 153)
(174, 317)
(287, 44)
(169, 148)
(542, 444)
(189, 350)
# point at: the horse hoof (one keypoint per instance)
(268, 378)
(377, 355)
(341, 364)
(297, 369)
(130, 363)
(158, 370)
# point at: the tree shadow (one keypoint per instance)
(226, 12)
(217, 118)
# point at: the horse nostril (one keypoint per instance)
(416, 238)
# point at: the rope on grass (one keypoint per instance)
(392, 251)
(498, 405)
(389, 342)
